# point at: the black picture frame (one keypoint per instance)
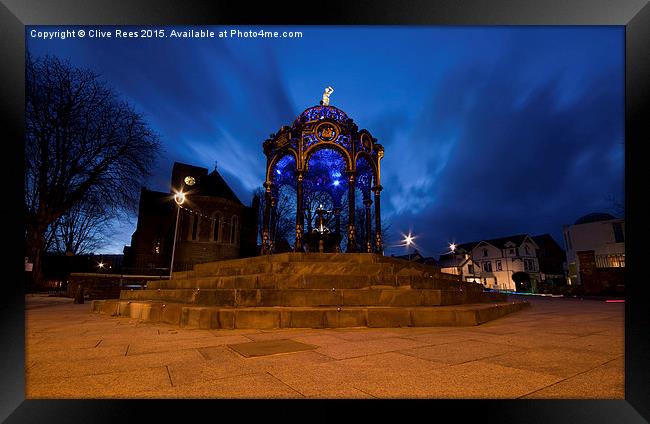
(633, 14)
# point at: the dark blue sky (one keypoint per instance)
(488, 131)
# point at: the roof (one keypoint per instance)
(545, 240)
(409, 256)
(207, 184)
(418, 258)
(496, 242)
(213, 184)
(452, 262)
(594, 217)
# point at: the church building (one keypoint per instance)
(213, 224)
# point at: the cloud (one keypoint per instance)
(525, 159)
(487, 131)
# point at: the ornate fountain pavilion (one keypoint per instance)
(324, 151)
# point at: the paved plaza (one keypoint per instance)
(557, 348)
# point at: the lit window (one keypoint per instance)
(195, 226)
(233, 230)
(217, 227)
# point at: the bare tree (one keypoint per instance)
(314, 201)
(80, 138)
(285, 215)
(82, 229)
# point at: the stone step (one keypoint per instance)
(192, 316)
(302, 257)
(268, 262)
(310, 297)
(215, 269)
(313, 281)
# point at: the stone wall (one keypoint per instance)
(103, 286)
(193, 252)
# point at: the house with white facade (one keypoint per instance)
(601, 233)
(501, 257)
(463, 265)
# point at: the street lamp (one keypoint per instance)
(179, 198)
(408, 240)
(452, 248)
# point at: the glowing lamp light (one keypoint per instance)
(452, 247)
(336, 183)
(100, 265)
(278, 171)
(179, 198)
(408, 239)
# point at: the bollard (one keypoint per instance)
(79, 296)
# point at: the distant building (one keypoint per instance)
(417, 257)
(498, 259)
(552, 259)
(463, 265)
(213, 223)
(598, 238)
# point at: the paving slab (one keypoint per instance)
(614, 344)
(269, 347)
(50, 369)
(610, 378)
(559, 361)
(525, 339)
(557, 348)
(248, 386)
(117, 385)
(141, 347)
(354, 375)
(367, 347)
(461, 351)
(462, 381)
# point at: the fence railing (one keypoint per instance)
(610, 261)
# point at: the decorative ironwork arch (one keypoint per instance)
(345, 155)
(276, 158)
(316, 129)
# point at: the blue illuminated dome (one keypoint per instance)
(318, 113)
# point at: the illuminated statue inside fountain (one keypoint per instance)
(326, 96)
(320, 220)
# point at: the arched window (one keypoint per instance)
(217, 227)
(233, 229)
(195, 226)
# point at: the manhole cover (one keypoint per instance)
(269, 347)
